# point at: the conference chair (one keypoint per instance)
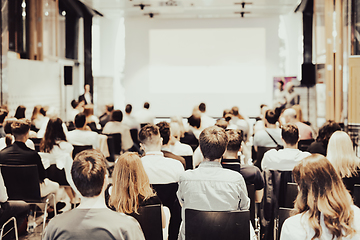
(356, 195)
(36, 142)
(150, 220)
(214, 225)
(291, 194)
(251, 195)
(114, 145)
(22, 183)
(2, 234)
(80, 148)
(188, 162)
(260, 154)
(304, 144)
(283, 214)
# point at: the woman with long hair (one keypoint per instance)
(20, 112)
(37, 118)
(324, 208)
(342, 156)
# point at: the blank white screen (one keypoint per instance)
(230, 60)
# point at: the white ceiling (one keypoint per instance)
(193, 8)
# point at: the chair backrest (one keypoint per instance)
(209, 225)
(283, 214)
(251, 195)
(304, 144)
(166, 193)
(188, 162)
(260, 154)
(134, 136)
(78, 148)
(150, 220)
(291, 194)
(356, 195)
(114, 144)
(57, 175)
(36, 142)
(22, 182)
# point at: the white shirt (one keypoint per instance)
(131, 122)
(197, 157)
(206, 121)
(181, 149)
(283, 159)
(118, 127)
(83, 137)
(298, 228)
(161, 170)
(145, 116)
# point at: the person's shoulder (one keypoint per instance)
(173, 162)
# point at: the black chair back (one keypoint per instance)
(36, 142)
(134, 136)
(188, 162)
(260, 154)
(78, 148)
(211, 225)
(57, 175)
(304, 144)
(251, 195)
(284, 213)
(114, 145)
(150, 220)
(356, 195)
(291, 194)
(21, 182)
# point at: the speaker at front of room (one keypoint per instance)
(308, 74)
(68, 75)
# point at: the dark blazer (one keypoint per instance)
(19, 154)
(82, 98)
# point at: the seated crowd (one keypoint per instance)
(207, 164)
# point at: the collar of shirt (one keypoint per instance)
(154, 153)
(210, 164)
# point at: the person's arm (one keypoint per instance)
(244, 203)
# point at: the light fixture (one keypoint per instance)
(151, 15)
(243, 4)
(242, 13)
(142, 6)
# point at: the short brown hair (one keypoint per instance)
(148, 133)
(235, 137)
(290, 133)
(88, 172)
(213, 141)
(20, 126)
(164, 128)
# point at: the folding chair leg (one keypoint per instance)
(46, 206)
(15, 228)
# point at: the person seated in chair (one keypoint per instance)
(230, 160)
(92, 219)
(211, 187)
(82, 135)
(176, 146)
(305, 131)
(285, 159)
(105, 118)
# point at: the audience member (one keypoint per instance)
(305, 131)
(75, 109)
(260, 121)
(324, 209)
(279, 95)
(92, 219)
(105, 118)
(37, 118)
(3, 115)
(145, 116)
(194, 125)
(81, 136)
(342, 156)
(285, 159)
(20, 112)
(211, 187)
(230, 160)
(116, 126)
(176, 147)
(9, 139)
(129, 119)
(240, 122)
(292, 97)
(221, 123)
(91, 120)
(86, 98)
(164, 128)
(51, 112)
(325, 132)
(206, 121)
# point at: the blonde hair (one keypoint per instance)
(322, 192)
(130, 183)
(341, 154)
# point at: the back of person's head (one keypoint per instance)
(175, 130)
(110, 107)
(322, 192)
(130, 184)
(20, 112)
(74, 103)
(80, 120)
(222, 123)
(3, 115)
(149, 134)
(20, 127)
(326, 131)
(289, 114)
(43, 110)
(36, 112)
(195, 120)
(235, 137)
(290, 134)
(146, 105)
(8, 132)
(235, 111)
(128, 108)
(54, 132)
(341, 154)
(213, 141)
(164, 128)
(88, 172)
(271, 117)
(116, 116)
(88, 110)
(202, 107)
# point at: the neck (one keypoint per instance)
(230, 155)
(286, 145)
(21, 139)
(156, 148)
(216, 160)
(93, 202)
(82, 128)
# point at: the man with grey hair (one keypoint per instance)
(305, 131)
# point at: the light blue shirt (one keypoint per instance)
(211, 188)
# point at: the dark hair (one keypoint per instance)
(213, 142)
(271, 116)
(226, 112)
(128, 108)
(43, 110)
(222, 123)
(146, 105)
(80, 120)
(164, 128)
(88, 110)
(235, 137)
(326, 131)
(117, 116)
(20, 126)
(263, 105)
(290, 133)
(8, 132)
(194, 121)
(110, 107)
(147, 132)
(88, 172)
(74, 103)
(3, 115)
(54, 132)
(20, 112)
(202, 107)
